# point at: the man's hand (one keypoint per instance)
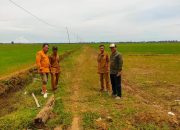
(40, 68)
(119, 73)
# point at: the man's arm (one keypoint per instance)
(98, 58)
(120, 64)
(38, 59)
(50, 59)
(107, 62)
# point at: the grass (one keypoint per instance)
(89, 120)
(150, 70)
(154, 69)
(62, 118)
(157, 75)
(94, 105)
(154, 48)
(64, 115)
(20, 108)
(91, 103)
(17, 120)
(126, 112)
(18, 56)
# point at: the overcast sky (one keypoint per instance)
(90, 20)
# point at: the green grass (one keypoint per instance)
(19, 56)
(22, 108)
(18, 120)
(156, 75)
(145, 48)
(62, 116)
(89, 120)
(124, 111)
(63, 113)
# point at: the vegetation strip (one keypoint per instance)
(23, 111)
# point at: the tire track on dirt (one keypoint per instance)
(77, 81)
(76, 84)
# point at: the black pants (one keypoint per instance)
(116, 84)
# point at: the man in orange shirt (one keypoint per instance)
(103, 68)
(55, 68)
(43, 64)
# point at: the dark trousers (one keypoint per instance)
(116, 84)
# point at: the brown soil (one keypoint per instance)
(158, 112)
(16, 82)
(157, 117)
(75, 87)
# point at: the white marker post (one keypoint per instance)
(37, 103)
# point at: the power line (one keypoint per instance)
(39, 19)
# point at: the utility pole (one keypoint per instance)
(68, 35)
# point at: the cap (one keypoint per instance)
(112, 45)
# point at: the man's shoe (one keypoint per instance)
(118, 98)
(45, 95)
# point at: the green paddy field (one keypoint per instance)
(150, 87)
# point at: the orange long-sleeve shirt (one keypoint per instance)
(42, 62)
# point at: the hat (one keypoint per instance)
(112, 45)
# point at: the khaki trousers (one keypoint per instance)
(54, 80)
(104, 79)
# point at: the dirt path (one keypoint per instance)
(77, 80)
(75, 77)
(87, 104)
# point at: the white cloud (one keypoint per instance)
(92, 20)
(21, 40)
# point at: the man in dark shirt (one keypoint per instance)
(116, 63)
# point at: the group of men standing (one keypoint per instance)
(48, 64)
(107, 67)
(110, 67)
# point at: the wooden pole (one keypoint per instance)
(45, 113)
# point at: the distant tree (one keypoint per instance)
(12, 42)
